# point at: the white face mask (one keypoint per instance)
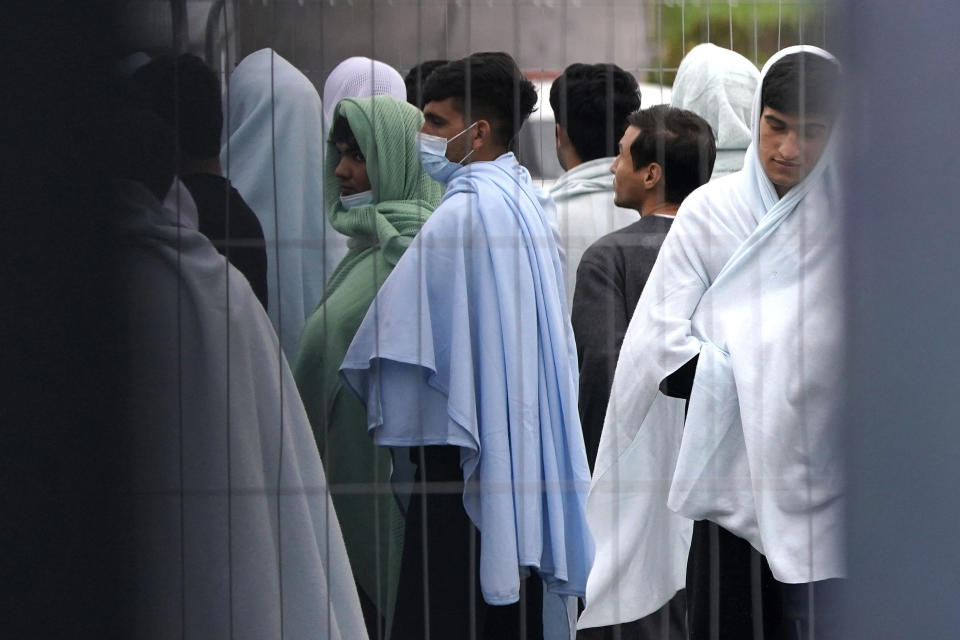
(433, 155)
(355, 200)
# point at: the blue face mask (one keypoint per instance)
(355, 200)
(433, 155)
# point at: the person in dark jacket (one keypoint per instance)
(185, 92)
(664, 155)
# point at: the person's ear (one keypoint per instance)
(558, 132)
(652, 175)
(482, 134)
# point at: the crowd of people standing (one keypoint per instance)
(386, 386)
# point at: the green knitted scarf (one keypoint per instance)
(404, 197)
(403, 193)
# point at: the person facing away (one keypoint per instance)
(274, 156)
(378, 196)
(467, 354)
(740, 328)
(590, 103)
(185, 92)
(360, 77)
(664, 155)
(417, 77)
(718, 85)
(234, 534)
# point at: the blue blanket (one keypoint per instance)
(468, 344)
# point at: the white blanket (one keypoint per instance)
(752, 284)
(585, 213)
(235, 533)
(274, 155)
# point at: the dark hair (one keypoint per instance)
(591, 102)
(680, 141)
(416, 78)
(341, 133)
(166, 82)
(486, 86)
(802, 82)
(142, 148)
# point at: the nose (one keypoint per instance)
(790, 146)
(343, 170)
(613, 167)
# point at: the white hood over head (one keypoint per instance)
(718, 85)
(360, 77)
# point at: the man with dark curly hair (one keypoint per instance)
(467, 357)
(590, 103)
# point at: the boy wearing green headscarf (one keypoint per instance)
(378, 195)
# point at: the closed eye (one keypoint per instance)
(775, 123)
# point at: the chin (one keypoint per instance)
(785, 182)
(783, 178)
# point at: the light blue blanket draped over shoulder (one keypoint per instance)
(468, 343)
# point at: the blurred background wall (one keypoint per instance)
(646, 37)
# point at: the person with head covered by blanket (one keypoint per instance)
(740, 326)
(233, 534)
(379, 197)
(467, 355)
(718, 85)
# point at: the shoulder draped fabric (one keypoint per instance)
(360, 77)
(719, 85)
(371, 520)
(752, 284)
(181, 205)
(585, 213)
(235, 534)
(273, 155)
(468, 344)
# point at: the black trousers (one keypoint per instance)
(439, 592)
(668, 623)
(732, 595)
